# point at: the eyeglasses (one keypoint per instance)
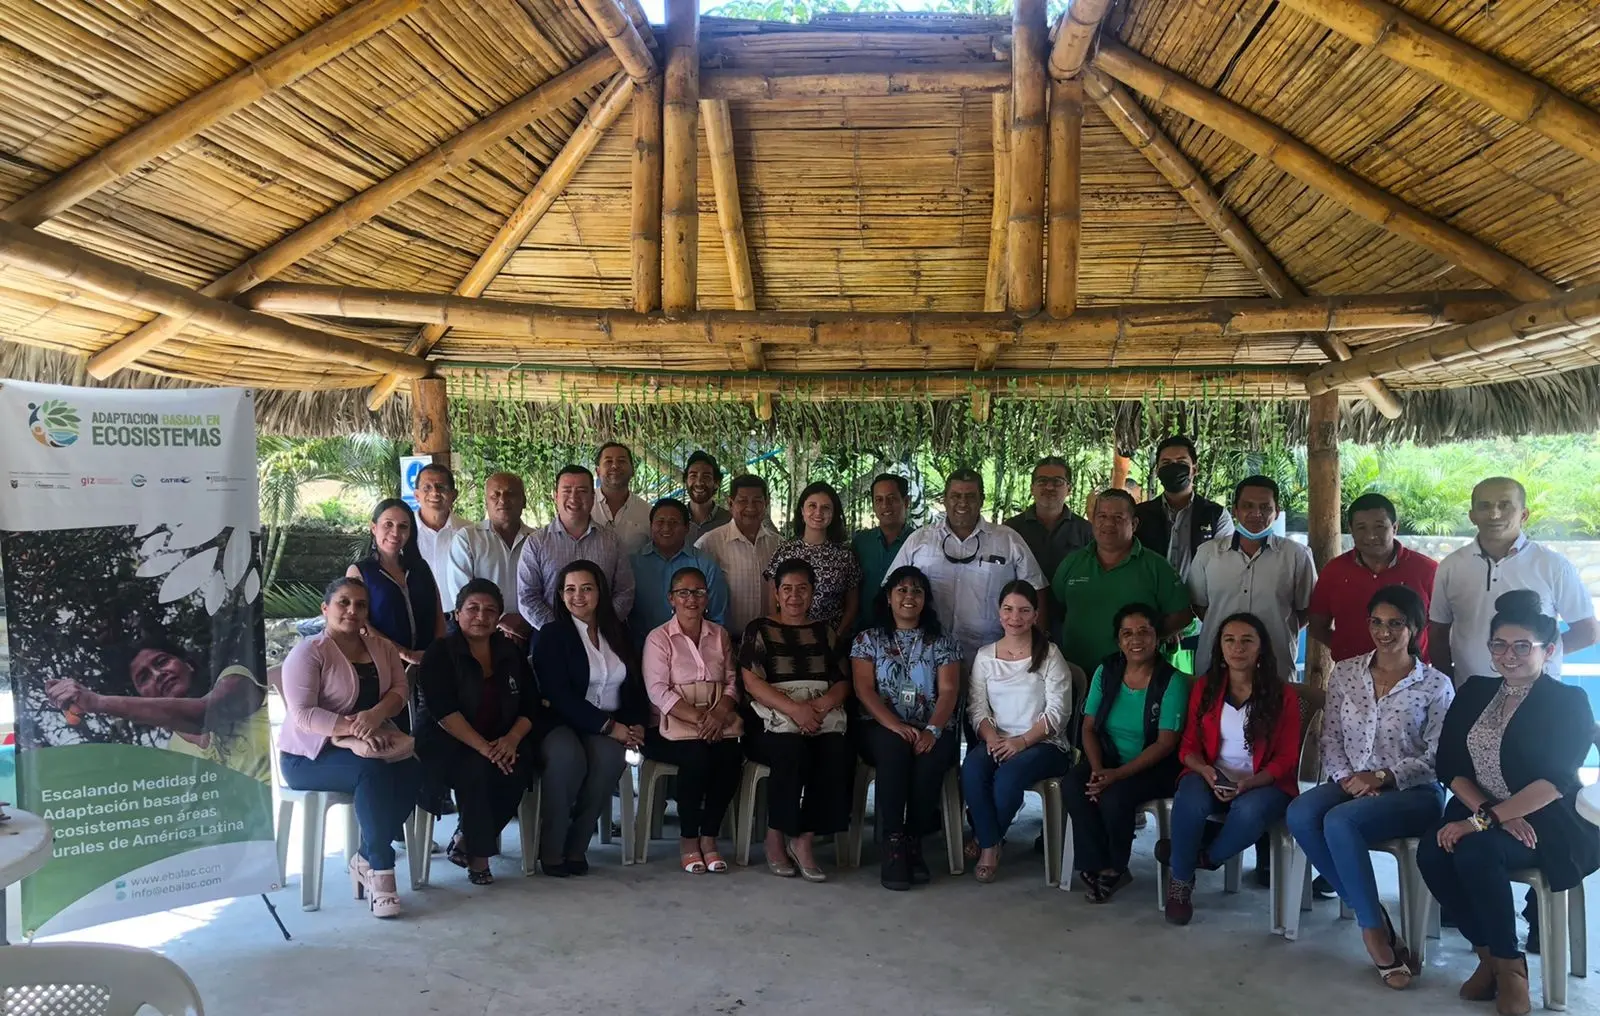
(689, 594)
(1521, 648)
(1394, 625)
(976, 549)
(1049, 481)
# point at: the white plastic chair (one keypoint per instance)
(1055, 827)
(950, 816)
(745, 825)
(1419, 913)
(651, 804)
(1161, 808)
(1563, 935)
(82, 979)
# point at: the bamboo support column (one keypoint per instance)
(430, 419)
(680, 209)
(1066, 177)
(730, 219)
(1025, 249)
(1322, 512)
(1078, 27)
(994, 284)
(646, 235)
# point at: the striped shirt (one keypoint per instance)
(551, 549)
(743, 562)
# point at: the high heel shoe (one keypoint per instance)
(384, 898)
(812, 874)
(1398, 973)
(360, 873)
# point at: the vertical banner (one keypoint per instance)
(129, 531)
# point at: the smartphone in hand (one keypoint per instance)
(1224, 781)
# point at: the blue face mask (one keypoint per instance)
(1247, 534)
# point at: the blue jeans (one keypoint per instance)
(994, 790)
(1337, 832)
(385, 793)
(1249, 816)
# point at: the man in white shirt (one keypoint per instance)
(968, 561)
(490, 550)
(617, 508)
(1253, 572)
(742, 549)
(437, 523)
(1501, 559)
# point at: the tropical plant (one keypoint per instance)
(365, 464)
(291, 599)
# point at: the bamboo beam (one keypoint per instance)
(680, 196)
(855, 78)
(1025, 246)
(1066, 203)
(632, 52)
(1322, 508)
(645, 238)
(451, 155)
(61, 261)
(430, 419)
(730, 218)
(1316, 170)
(278, 69)
(994, 283)
(522, 220)
(1532, 323)
(1131, 323)
(1136, 125)
(1078, 27)
(1421, 47)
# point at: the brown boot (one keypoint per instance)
(1511, 983)
(1480, 987)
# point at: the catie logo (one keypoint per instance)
(54, 423)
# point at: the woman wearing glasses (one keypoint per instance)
(820, 541)
(692, 678)
(1380, 734)
(1509, 752)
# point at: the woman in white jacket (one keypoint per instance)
(1020, 703)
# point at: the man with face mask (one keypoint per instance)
(1179, 522)
(702, 481)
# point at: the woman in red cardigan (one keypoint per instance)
(1241, 752)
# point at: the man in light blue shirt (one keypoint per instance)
(662, 558)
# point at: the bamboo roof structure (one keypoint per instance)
(1398, 201)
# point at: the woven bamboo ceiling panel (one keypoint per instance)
(851, 203)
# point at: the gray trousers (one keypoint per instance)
(580, 773)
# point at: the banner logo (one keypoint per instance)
(54, 423)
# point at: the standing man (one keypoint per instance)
(571, 536)
(968, 561)
(876, 548)
(702, 481)
(1502, 558)
(490, 549)
(1096, 581)
(619, 509)
(662, 558)
(1179, 522)
(1256, 572)
(1051, 529)
(437, 523)
(742, 549)
(1338, 617)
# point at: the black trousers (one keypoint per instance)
(486, 799)
(1102, 832)
(708, 777)
(1473, 883)
(812, 777)
(909, 786)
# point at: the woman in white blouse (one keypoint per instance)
(1020, 704)
(1380, 734)
(588, 672)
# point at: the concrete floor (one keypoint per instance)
(651, 939)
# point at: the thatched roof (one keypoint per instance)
(1230, 150)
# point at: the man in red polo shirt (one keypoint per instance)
(1338, 614)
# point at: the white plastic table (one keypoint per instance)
(24, 846)
(1589, 803)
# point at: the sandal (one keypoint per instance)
(454, 853)
(985, 873)
(484, 877)
(1398, 974)
(715, 863)
(1095, 887)
(693, 862)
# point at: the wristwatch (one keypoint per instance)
(1383, 776)
(932, 729)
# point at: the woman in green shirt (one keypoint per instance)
(1131, 721)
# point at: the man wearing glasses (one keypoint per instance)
(1048, 526)
(664, 556)
(967, 561)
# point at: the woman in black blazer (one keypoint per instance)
(588, 672)
(1509, 753)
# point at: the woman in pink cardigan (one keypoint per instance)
(347, 682)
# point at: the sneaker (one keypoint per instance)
(1180, 905)
(1322, 889)
(920, 875)
(895, 871)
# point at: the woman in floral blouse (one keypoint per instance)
(907, 675)
(820, 541)
(1380, 735)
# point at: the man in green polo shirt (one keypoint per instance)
(876, 548)
(1094, 582)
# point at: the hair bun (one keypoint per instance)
(1526, 602)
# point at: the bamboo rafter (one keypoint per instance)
(644, 238)
(1030, 83)
(680, 196)
(730, 219)
(1316, 170)
(855, 78)
(1065, 170)
(1078, 27)
(451, 155)
(624, 39)
(278, 69)
(994, 285)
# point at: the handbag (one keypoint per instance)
(702, 695)
(775, 722)
(401, 746)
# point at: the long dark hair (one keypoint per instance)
(836, 532)
(1041, 641)
(928, 622)
(1409, 604)
(606, 620)
(1266, 687)
(410, 553)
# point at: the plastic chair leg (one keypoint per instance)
(1068, 857)
(626, 786)
(1290, 886)
(1553, 924)
(951, 817)
(1233, 874)
(1578, 930)
(352, 833)
(865, 775)
(744, 822)
(419, 847)
(284, 831)
(312, 826)
(1053, 824)
(528, 827)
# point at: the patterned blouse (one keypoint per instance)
(906, 664)
(779, 653)
(1488, 733)
(838, 572)
(1399, 732)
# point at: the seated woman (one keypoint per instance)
(1380, 733)
(405, 599)
(1241, 747)
(477, 688)
(907, 675)
(1020, 703)
(693, 682)
(1509, 752)
(793, 675)
(347, 683)
(588, 672)
(1132, 717)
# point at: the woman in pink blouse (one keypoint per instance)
(691, 676)
(1380, 735)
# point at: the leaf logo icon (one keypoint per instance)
(54, 423)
